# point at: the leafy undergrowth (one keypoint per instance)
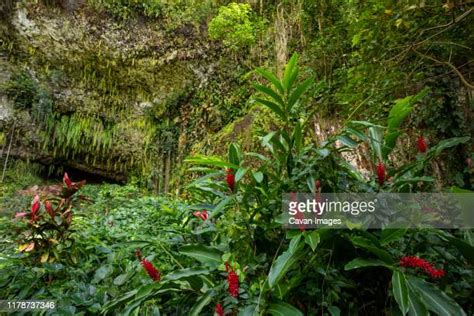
(102, 263)
(116, 250)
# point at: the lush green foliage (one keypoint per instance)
(235, 25)
(385, 70)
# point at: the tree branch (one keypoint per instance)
(460, 75)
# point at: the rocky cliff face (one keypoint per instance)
(110, 98)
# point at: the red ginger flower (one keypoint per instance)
(421, 144)
(381, 173)
(232, 281)
(154, 273)
(202, 215)
(417, 262)
(219, 310)
(230, 179)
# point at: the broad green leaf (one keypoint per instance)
(298, 92)
(119, 280)
(102, 273)
(202, 302)
(240, 173)
(356, 133)
(401, 109)
(295, 243)
(281, 265)
(290, 69)
(248, 311)
(389, 235)
(274, 107)
(334, 310)
(259, 156)
(185, 273)
(445, 144)
(220, 207)
(204, 254)
(389, 142)
(435, 299)
(234, 154)
(375, 141)
(416, 305)
(312, 239)
(271, 93)
(283, 309)
(363, 263)
(127, 296)
(258, 176)
(365, 243)
(347, 141)
(400, 291)
(272, 78)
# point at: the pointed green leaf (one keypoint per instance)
(281, 265)
(400, 291)
(204, 254)
(389, 235)
(416, 305)
(362, 263)
(271, 93)
(298, 92)
(202, 302)
(274, 107)
(312, 239)
(290, 72)
(235, 155)
(240, 173)
(435, 299)
(283, 309)
(272, 78)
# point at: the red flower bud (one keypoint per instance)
(219, 310)
(469, 162)
(35, 205)
(381, 173)
(154, 273)
(67, 181)
(49, 208)
(230, 179)
(421, 144)
(318, 185)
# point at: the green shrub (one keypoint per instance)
(235, 25)
(22, 89)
